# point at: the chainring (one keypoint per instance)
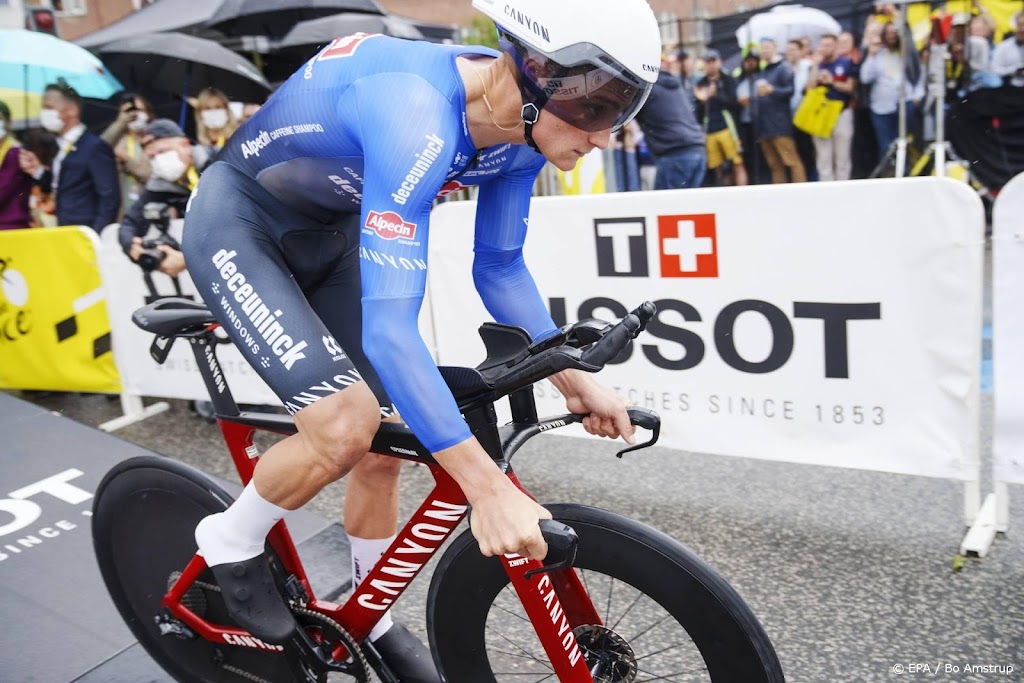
(324, 630)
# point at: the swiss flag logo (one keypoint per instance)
(344, 47)
(688, 245)
(390, 226)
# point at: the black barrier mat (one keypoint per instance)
(59, 622)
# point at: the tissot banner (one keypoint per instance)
(1008, 332)
(832, 323)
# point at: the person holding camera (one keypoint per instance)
(176, 164)
(124, 135)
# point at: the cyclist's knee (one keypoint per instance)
(379, 466)
(340, 428)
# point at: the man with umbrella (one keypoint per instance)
(84, 173)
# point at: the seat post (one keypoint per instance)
(205, 351)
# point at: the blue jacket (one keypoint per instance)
(772, 116)
(88, 192)
(667, 118)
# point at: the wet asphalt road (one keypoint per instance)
(850, 572)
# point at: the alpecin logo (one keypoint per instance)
(390, 226)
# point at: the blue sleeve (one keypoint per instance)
(409, 138)
(499, 271)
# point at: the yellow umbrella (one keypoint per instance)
(18, 100)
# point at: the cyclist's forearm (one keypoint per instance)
(472, 469)
(571, 383)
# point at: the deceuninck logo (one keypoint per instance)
(687, 246)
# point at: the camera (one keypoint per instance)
(158, 214)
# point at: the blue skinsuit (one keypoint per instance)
(375, 126)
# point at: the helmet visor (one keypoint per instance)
(580, 84)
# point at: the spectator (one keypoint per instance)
(134, 114)
(673, 135)
(83, 176)
(838, 73)
(627, 172)
(801, 66)
(892, 79)
(15, 185)
(716, 92)
(43, 144)
(688, 75)
(1008, 58)
(750, 69)
(176, 166)
(846, 46)
(214, 121)
(248, 110)
(773, 91)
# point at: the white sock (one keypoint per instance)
(239, 532)
(365, 553)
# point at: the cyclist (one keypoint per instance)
(308, 238)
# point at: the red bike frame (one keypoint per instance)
(556, 602)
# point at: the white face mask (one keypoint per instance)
(140, 121)
(215, 118)
(50, 120)
(168, 166)
(3, 129)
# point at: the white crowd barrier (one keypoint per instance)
(1008, 343)
(832, 323)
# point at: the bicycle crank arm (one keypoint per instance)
(562, 543)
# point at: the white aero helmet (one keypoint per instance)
(591, 63)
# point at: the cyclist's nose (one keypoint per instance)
(600, 139)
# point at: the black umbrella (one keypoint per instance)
(274, 18)
(316, 32)
(183, 65)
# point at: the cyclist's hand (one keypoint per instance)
(504, 520)
(607, 410)
(508, 521)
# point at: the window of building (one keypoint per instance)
(70, 8)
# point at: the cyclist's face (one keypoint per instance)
(562, 144)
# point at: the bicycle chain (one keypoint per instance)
(353, 648)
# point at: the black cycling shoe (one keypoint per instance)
(406, 656)
(253, 600)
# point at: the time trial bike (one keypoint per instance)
(615, 601)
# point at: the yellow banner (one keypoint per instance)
(54, 330)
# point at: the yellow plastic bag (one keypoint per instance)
(817, 115)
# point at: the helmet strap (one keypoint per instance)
(531, 113)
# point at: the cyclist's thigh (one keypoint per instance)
(235, 259)
(337, 299)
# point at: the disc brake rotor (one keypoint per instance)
(608, 655)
